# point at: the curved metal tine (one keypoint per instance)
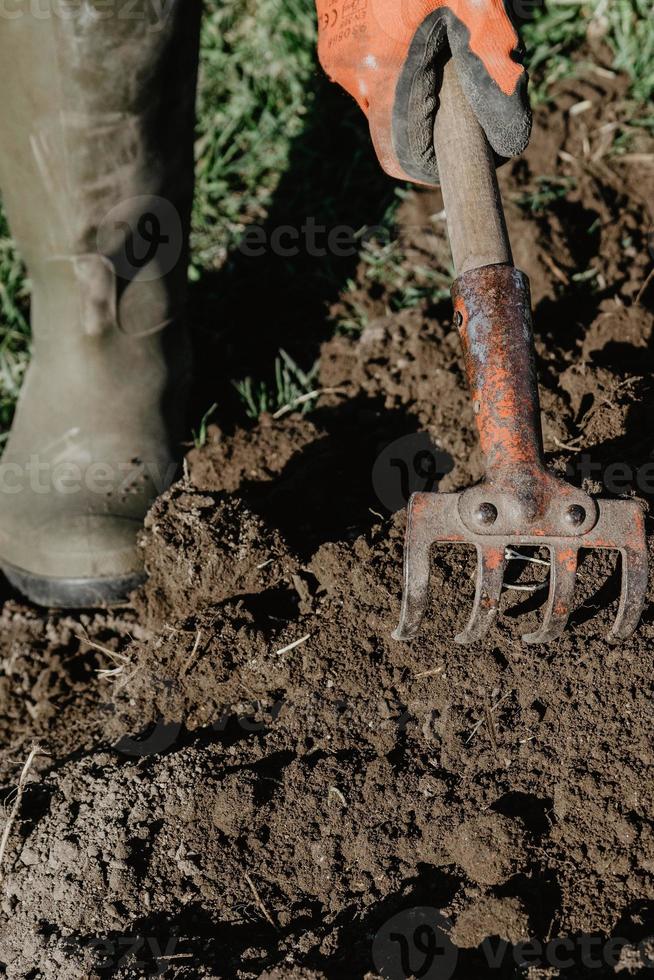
(633, 592)
(420, 534)
(563, 572)
(490, 577)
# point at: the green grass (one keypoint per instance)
(551, 41)
(624, 28)
(14, 326)
(630, 36)
(200, 436)
(289, 389)
(406, 285)
(547, 191)
(257, 91)
(254, 95)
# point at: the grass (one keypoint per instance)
(14, 325)
(200, 437)
(257, 90)
(552, 39)
(289, 387)
(629, 26)
(547, 191)
(624, 28)
(254, 95)
(405, 284)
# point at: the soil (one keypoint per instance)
(244, 775)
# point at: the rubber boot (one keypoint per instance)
(96, 174)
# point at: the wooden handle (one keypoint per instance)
(473, 204)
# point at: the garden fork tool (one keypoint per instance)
(519, 502)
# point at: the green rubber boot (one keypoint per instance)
(96, 174)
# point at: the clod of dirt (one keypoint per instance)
(489, 848)
(256, 455)
(491, 916)
(208, 548)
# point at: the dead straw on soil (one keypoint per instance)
(13, 813)
(303, 399)
(487, 717)
(259, 901)
(118, 658)
(292, 646)
(196, 646)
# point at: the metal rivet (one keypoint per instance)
(458, 319)
(575, 515)
(487, 513)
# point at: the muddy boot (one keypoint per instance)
(96, 174)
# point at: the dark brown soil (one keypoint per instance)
(268, 779)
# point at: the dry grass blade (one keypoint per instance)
(643, 289)
(429, 673)
(119, 659)
(307, 397)
(292, 646)
(487, 717)
(193, 653)
(490, 724)
(98, 646)
(511, 555)
(570, 446)
(259, 901)
(13, 813)
(334, 791)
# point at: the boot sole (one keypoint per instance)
(73, 593)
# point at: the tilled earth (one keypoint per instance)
(245, 776)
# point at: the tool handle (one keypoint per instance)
(473, 204)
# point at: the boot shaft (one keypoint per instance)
(96, 153)
(96, 174)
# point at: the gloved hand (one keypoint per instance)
(385, 53)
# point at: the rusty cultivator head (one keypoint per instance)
(519, 502)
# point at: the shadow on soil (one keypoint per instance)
(194, 939)
(253, 306)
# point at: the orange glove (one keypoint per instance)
(385, 53)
